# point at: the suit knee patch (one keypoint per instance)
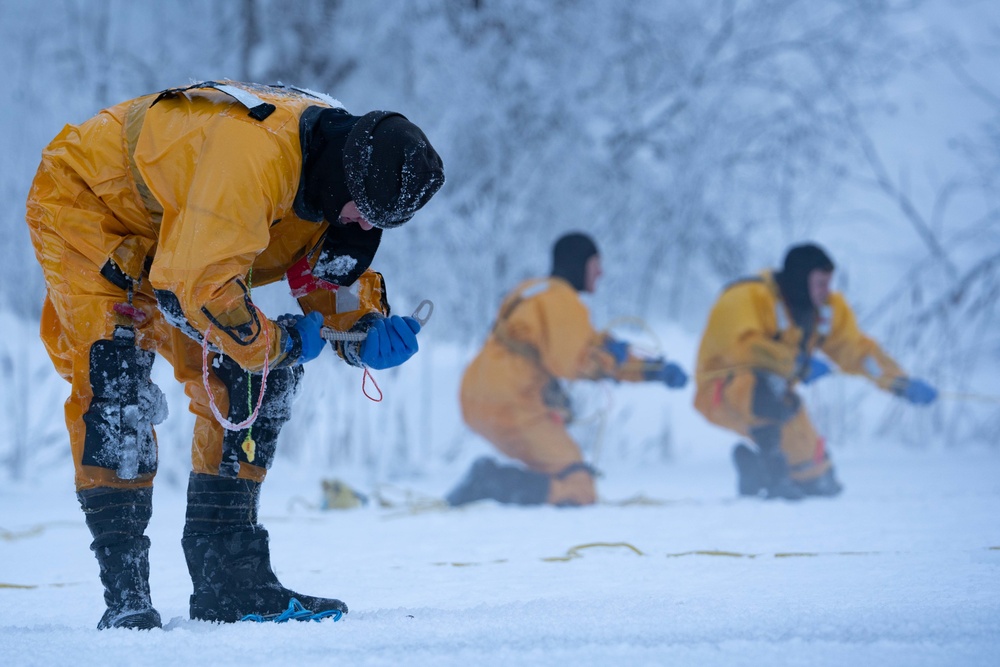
(771, 398)
(125, 406)
(275, 409)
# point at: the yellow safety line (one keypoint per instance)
(574, 552)
(470, 564)
(30, 586)
(11, 536)
(712, 552)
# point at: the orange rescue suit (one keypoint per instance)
(510, 393)
(751, 329)
(191, 198)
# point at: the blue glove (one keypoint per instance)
(391, 341)
(673, 375)
(915, 391)
(307, 327)
(815, 369)
(617, 349)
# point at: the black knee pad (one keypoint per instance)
(125, 407)
(275, 409)
(772, 399)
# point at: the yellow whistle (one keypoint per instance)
(249, 448)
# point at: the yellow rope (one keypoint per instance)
(248, 445)
(574, 552)
(10, 536)
(951, 395)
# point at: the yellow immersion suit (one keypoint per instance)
(510, 394)
(152, 221)
(749, 332)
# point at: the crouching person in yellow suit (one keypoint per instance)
(759, 343)
(152, 222)
(511, 394)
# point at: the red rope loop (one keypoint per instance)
(364, 386)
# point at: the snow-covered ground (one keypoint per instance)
(903, 569)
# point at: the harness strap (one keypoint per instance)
(258, 108)
(134, 119)
(519, 347)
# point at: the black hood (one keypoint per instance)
(793, 279)
(569, 258)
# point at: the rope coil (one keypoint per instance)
(225, 423)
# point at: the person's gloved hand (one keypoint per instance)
(672, 375)
(391, 341)
(617, 349)
(307, 328)
(814, 369)
(915, 391)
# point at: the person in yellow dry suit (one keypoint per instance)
(511, 394)
(760, 341)
(152, 222)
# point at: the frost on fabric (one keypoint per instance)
(284, 90)
(126, 428)
(125, 407)
(277, 405)
(337, 265)
(415, 187)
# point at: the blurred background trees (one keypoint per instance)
(695, 140)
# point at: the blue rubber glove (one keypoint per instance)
(308, 328)
(673, 375)
(391, 341)
(814, 370)
(617, 349)
(915, 391)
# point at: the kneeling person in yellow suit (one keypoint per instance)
(511, 393)
(758, 344)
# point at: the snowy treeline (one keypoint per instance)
(695, 140)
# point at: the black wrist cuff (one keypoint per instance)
(350, 351)
(291, 341)
(652, 369)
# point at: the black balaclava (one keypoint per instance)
(793, 280)
(346, 250)
(569, 258)
(324, 181)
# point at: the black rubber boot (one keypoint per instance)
(749, 470)
(778, 484)
(488, 480)
(228, 555)
(117, 519)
